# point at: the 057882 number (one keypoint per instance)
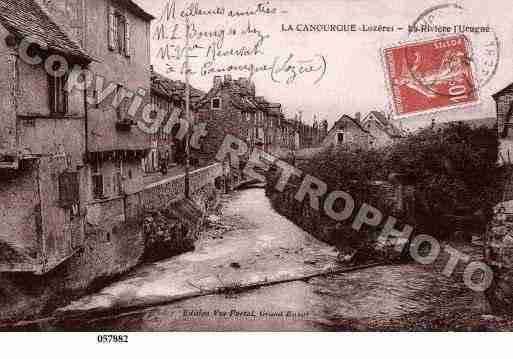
(107, 339)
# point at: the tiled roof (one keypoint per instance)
(243, 102)
(25, 18)
(137, 10)
(170, 88)
(503, 91)
(385, 124)
(344, 118)
(239, 97)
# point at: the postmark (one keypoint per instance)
(454, 18)
(431, 75)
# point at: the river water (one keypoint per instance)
(392, 297)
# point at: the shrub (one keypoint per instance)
(454, 171)
(347, 168)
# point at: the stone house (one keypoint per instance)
(229, 107)
(382, 132)
(69, 162)
(232, 107)
(73, 193)
(42, 144)
(117, 34)
(347, 131)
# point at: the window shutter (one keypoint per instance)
(127, 38)
(112, 29)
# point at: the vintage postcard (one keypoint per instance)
(242, 166)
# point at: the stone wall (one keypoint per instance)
(172, 222)
(114, 243)
(395, 199)
(104, 255)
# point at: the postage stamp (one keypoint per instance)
(431, 75)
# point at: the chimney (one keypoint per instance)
(358, 116)
(217, 81)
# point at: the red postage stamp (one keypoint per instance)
(431, 75)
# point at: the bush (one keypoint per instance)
(341, 168)
(349, 169)
(454, 171)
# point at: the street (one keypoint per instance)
(262, 247)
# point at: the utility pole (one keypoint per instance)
(187, 113)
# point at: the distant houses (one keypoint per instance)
(375, 130)
(233, 107)
(168, 95)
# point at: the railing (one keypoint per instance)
(159, 194)
(201, 177)
(153, 197)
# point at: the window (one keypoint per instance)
(216, 103)
(119, 32)
(340, 137)
(58, 95)
(118, 178)
(97, 179)
(69, 193)
(121, 27)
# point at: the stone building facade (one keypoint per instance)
(229, 108)
(232, 107)
(117, 34)
(375, 130)
(42, 145)
(347, 131)
(72, 194)
(168, 143)
(504, 105)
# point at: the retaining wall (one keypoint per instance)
(114, 243)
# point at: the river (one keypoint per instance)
(392, 297)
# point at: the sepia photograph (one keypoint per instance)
(235, 166)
